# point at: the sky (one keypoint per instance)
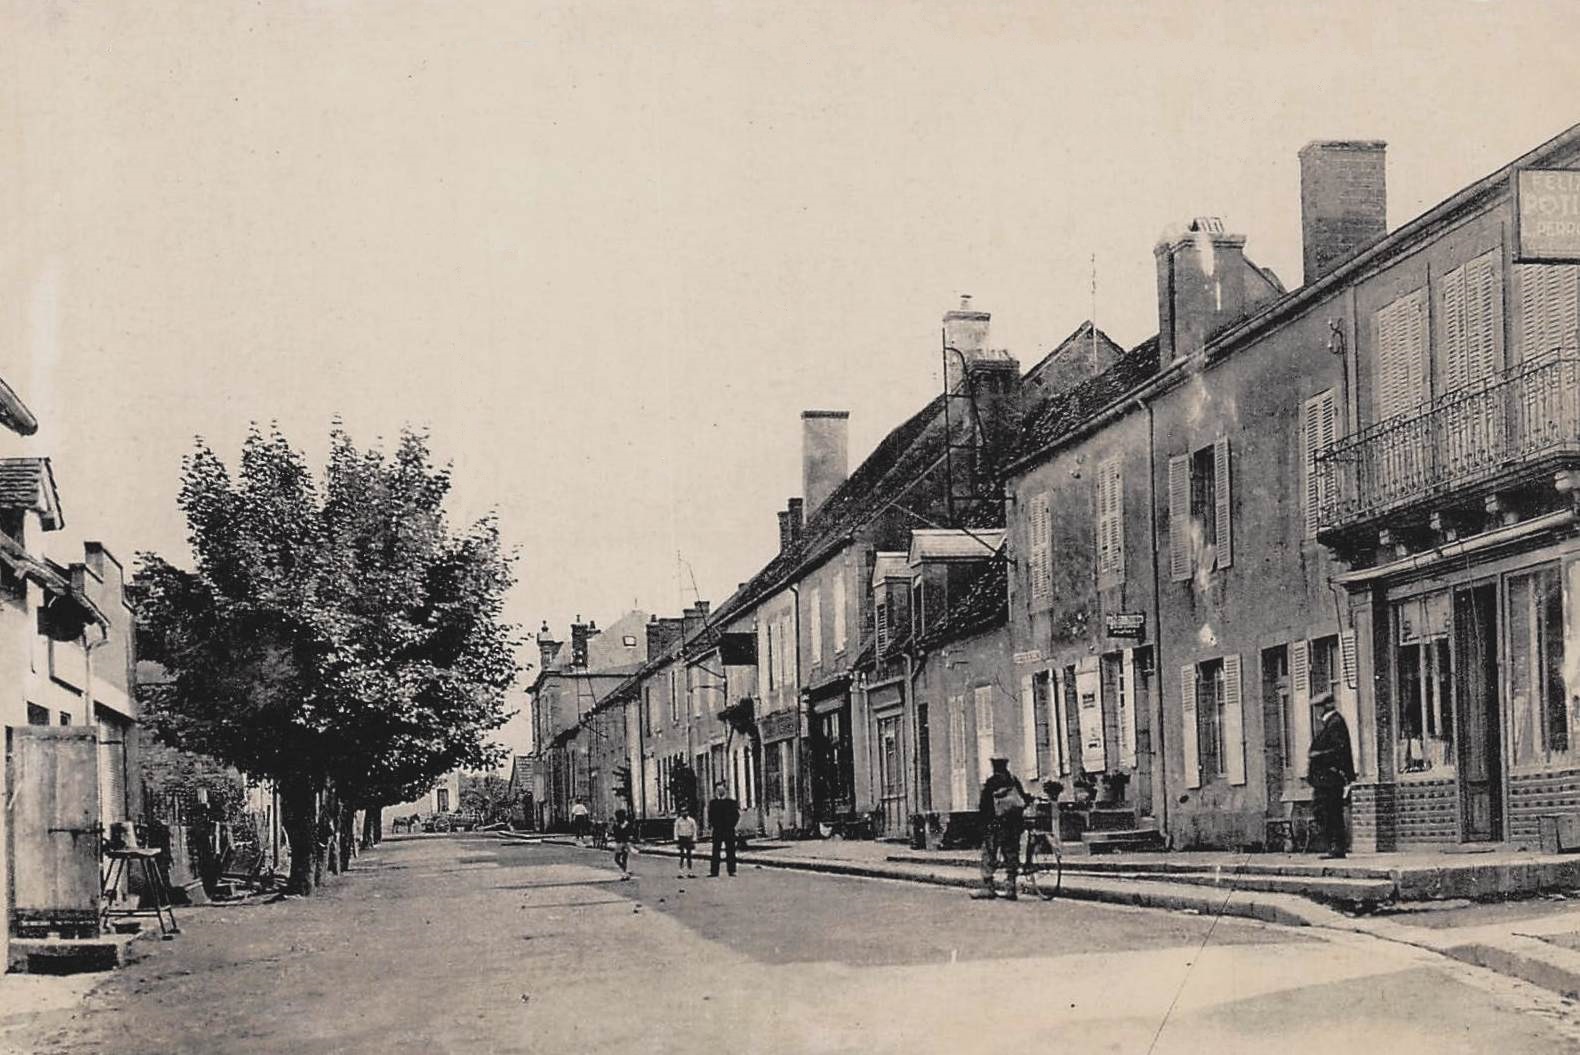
(606, 253)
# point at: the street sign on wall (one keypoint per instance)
(1127, 624)
(1547, 216)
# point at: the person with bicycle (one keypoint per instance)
(1003, 810)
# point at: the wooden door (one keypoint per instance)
(1475, 679)
(52, 828)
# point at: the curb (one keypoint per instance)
(1527, 959)
(1283, 909)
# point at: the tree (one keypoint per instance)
(485, 794)
(337, 640)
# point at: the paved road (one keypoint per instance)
(467, 944)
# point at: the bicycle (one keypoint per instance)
(1042, 849)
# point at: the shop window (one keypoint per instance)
(1423, 672)
(1538, 702)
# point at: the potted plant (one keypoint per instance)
(1086, 786)
(1114, 784)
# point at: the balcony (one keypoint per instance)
(1509, 431)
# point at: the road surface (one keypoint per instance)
(461, 943)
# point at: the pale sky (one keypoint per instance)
(607, 253)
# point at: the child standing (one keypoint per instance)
(686, 840)
(621, 832)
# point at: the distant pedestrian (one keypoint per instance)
(1330, 769)
(686, 841)
(622, 831)
(724, 813)
(1003, 811)
(581, 821)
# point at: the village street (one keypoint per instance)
(470, 944)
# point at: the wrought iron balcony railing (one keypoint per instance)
(1467, 440)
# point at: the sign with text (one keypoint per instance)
(1127, 624)
(1547, 216)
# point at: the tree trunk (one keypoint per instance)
(370, 822)
(348, 834)
(299, 818)
(328, 848)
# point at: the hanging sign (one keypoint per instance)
(1547, 216)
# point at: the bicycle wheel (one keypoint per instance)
(1044, 866)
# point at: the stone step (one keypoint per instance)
(1133, 839)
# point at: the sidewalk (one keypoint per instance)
(1536, 939)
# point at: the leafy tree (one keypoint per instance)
(339, 638)
(485, 794)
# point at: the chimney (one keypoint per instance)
(661, 636)
(825, 459)
(1343, 200)
(793, 507)
(581, 634)
(785, 537)
(965, 340)
(548, 648)
(693, 619)
(1202, 276)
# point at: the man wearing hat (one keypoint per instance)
(1330, 769)
(1003, 809)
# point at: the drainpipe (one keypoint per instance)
(1159, 740)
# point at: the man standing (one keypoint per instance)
(580, 821)
(1003, 810)
(724, 813)
(1330, 769)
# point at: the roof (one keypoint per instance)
(889, 566)
(30, 567)
(14, 414)
(29, 483)
(984, 606)
(953, 544)
(1063, 412)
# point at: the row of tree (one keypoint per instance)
(333, 634)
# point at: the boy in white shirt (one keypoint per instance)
(686, 840)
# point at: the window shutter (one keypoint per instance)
(1028, 729)
(1188, 730)
(1483, 315)
(882, 620)
(1233, 722)
(1401, 354)
(1110, 519)
(1456, 350)
(1059, 736)
(1179, 518)
(839, 611)
(1347, 658)
(985, 739)
(1128, 715)
(1039, 565)
(815, 624)
(1549, 308)
(1318, 428)
(1300, 701)
(1220, 468)
(1415, 345)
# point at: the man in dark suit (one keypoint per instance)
(1330, 769)
(1002, 807)
(724, 813)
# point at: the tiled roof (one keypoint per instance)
(1066, 411)
(29, 483)
(984, 606)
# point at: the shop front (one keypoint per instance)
(1478, 693)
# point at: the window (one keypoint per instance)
(1318, 430)
(1042, 704)
(1213, 718)
(814, 623)
(881, 618)
(65, 717)
(441, 798)
(1039, 550)
(1538, 700)
(839, 611)
(1110, 521)
(768, 652)
(1423, 680)
(1275, 704)
(649, 715)
(674, 700)
(1472, 307)
(1200, 510)
(37, 715)
(924, 758)
(959, 771)
(1549, 309)
(1401, 355)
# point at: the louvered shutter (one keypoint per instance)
(1401, 354)
(815, 624)
(1456, 351)
(1058, 736)
(1483, 316)
(1188, 731)
(986, 747)
(1225, 507)
(1179, 518)
(1028, 728)
(1300, 703)
(1318, 426)
(1415, 345)
(1347, 657)
(882, 620)
(1110, 518)
(1549, 309)
(1233, 722)
(1039, 565)
(1128, 713)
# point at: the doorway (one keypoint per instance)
(1476, 699)
(891, 775)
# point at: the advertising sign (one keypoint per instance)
(1547, 216)
(1127, 624)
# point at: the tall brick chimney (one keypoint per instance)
(1343, 200)
(581, 634)
(825, 459)
(661, 635)
(548, 648)
(693, 618)
(1202, 275)
(965, 340)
